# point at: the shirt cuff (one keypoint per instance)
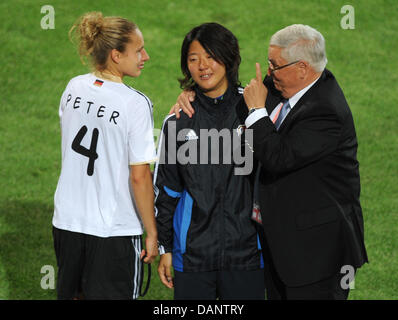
(255, 116)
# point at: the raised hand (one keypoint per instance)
(255, 93)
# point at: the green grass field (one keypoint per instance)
(37, 64)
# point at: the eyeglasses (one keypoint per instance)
(273, 69)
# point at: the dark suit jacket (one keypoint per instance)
(309, 185)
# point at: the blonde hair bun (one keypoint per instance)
(97, 35)
(91, 25)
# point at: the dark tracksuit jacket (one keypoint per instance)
(203, 210)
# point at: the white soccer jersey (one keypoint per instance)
(106, 126)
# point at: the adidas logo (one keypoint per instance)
(191, 135)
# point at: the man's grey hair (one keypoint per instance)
(301, 42)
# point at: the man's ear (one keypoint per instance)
(115, 55)
(304, 68)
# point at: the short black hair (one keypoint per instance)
(220, 44)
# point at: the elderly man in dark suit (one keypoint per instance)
(308, 182)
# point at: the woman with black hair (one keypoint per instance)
(203, 206)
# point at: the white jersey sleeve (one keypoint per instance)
(141, 147)
(62, 102)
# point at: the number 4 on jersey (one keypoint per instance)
(90, 153)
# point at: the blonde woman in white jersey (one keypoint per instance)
(104, 196)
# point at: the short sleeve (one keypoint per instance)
(141, 145)
(64, 99)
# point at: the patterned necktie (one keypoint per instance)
(282, 114)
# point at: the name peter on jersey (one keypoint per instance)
(101, 110)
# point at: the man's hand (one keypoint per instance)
(151, 249)
(164, 270)
(255, 93)
(184, 102)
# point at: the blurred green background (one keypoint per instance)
(36, 65)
